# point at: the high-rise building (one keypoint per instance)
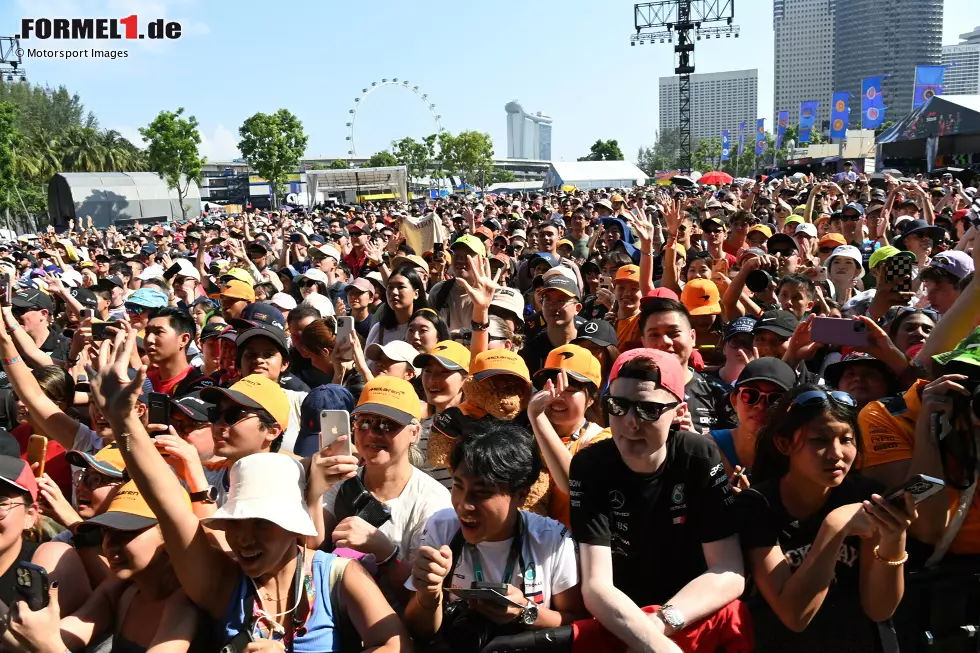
(962, 63)
(718, 101)
(803, 65)
(885, 38)
(528, 136)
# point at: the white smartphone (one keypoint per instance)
(333, 424)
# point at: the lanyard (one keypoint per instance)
(513, 557)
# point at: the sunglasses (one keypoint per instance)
(751, 396)
(309, 283)
(93, 480)
(827, 250)
(812, 398)
(229, 416)
(782, 252)
(377, 424)
(648, 411)
(135, 310)
(710, 230)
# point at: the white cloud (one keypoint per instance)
(220, 144)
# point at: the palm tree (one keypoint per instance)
(81, 150)
(37, 158)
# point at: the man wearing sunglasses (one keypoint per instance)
(31, 310)
(652, 511)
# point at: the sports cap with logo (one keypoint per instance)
(701, 297)
(237, 274)
(851, 252)
(499, 361)
(398, 351)
(769, 369)
(193, 407)
(448, 353)
(667, 373)
(107, 461)
(390, 397)
(782, 323)
(561, 283)
(470, 242)
(509, 302)
(740, 325)
(578, 363)
(32, 299)
(236, 289)
(257, 392)
(272, 333)
(599, 332)
(259, 314)
(956, 262)
(85, 297)
(18, 474)
(128, 511)
(807, 229)
(627, 273)
(966, 353)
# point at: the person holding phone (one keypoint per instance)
(386, 425)
(825, 549)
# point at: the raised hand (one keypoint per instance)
(114, 392)
(482, 286)
(547, 396)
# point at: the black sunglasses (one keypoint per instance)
(308, 283)
(229, 416)
(648, 411)
(752, 396)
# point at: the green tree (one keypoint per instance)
(273, 144)
(664, 154)
(883, 127)
(9, 140)
(382, 159)
(172, 151)
(470, 154)
(416, 156)
(604, 151)
(338, 164)
(501, 176)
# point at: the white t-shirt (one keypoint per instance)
(421, 498)
(289, 436)
(382, 336)
(548, 550)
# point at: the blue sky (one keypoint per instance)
(571, 60)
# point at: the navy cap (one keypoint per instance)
(740, 325)
(853, 206)
(259, 314)
(212, 330)
(149, 248)
(324, 397)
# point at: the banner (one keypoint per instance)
(928, 82)
(782, 124)
(741, 138)
(808, 116)
(760, 137)
(724, 145)
(872, 102)
(839, 113)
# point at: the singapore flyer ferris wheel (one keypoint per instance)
(400, 83)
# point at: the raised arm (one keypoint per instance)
(207, 575)
(642, 227)
(557, 457)
(958, 321)
(481, 292)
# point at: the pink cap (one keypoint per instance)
(666, 293)
(670, 375)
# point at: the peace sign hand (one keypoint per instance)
(547, 396)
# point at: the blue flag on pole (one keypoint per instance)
(928, 82)
(741, 138)
(760, 136)
(724, 145)
(872, 102)
(808, 116)
(839, 114)
(781, 125)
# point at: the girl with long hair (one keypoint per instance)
(405, 294)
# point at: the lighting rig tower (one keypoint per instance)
(677, 21)
(10, 55)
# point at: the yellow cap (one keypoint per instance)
(498, 361)
(235, 289)
(762, 229)
(578, 363)
(390, 397)
(448, 353)
(239, 274)
(128, 511)
(254, 391)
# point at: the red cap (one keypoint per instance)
(959, 215)
(16, 472)
(670, 375)
(666, 293)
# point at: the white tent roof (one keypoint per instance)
(364, 181)
(594, 174)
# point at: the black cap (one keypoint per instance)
(193, 407)
(85, 297)
(769, 369)
(782, 323)
(562, 283)
(599, 332)
(833, 373)
(779, 242)
(33, 300)
(212, 330)
(110, 282)
(277, 336)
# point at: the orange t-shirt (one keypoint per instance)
(888, 433)
(627, 330)
(559, 506)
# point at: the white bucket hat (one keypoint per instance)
(269, 486)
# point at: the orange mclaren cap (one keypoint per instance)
(628, 273)
(701, 297)
(578, 363)
(499, 361)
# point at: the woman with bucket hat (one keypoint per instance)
(271, 588)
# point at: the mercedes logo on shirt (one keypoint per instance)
(616, 500)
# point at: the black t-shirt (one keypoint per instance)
(840, 624)
(655, 525)
(536, 351)
(56, 345)
(708, 401)
(8, 580)
(304, 369)
(592, 309)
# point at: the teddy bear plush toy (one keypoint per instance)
(498, 387)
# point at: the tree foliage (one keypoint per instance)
(382, 159)
(338, 164)
(273, 144)
(501, 176)
(416, 156)
(604, 151)
(663, 154)
(172, 151)
(468, 154)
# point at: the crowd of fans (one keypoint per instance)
(608, 420)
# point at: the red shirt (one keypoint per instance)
(167, 385)
(55, 464)
(354, 263)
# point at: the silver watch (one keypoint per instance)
(529, 613)
(672, 617)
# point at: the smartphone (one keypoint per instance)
(484, 594)
(158, 408)
(32, 585)
(438, 248)
(605, 282)
(86, 313)
(900, 267)
(920, 486)
(5, 288)
(333, 424)
(345, 327)
(100, 331)
(37, 452)
(840, 331)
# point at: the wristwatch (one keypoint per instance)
(672, 617)
(529, 613)
(478, 326)
(209, 495)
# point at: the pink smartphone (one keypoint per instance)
(844, 332)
